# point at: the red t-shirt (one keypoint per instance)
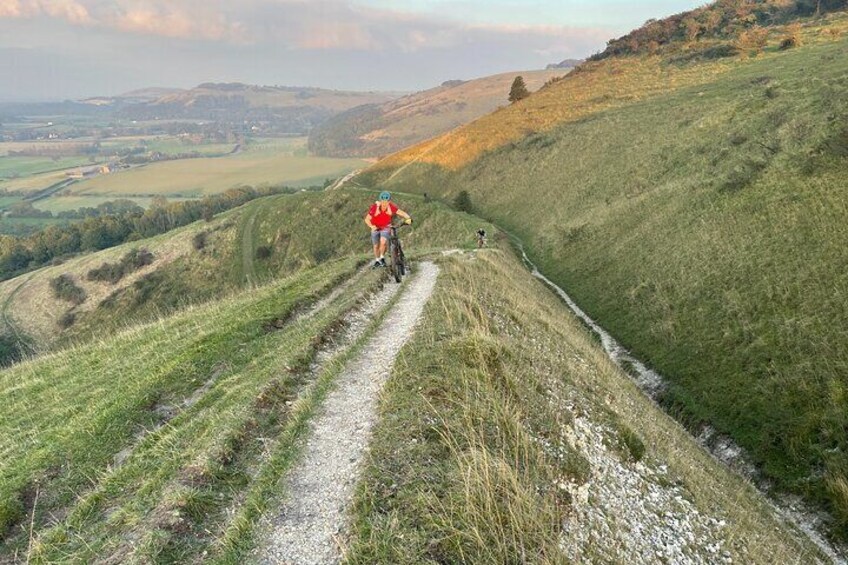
(382, 218)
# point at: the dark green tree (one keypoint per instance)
(519, 90)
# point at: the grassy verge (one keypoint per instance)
(471, 447)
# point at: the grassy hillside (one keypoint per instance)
(379, 129)
(168, 426)
(479, 458)
(252, 96)
(181, 431)
(696, 208)
(266, 239)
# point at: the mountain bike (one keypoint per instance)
(398, 267)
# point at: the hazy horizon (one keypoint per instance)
(54, 50)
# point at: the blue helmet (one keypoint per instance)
(385, 195)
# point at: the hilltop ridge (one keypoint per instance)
(379, 129)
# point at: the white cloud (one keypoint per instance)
(296, 24)
(70, 10)
(126, 44)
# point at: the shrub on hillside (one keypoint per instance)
(718, 20)
(263, 252)
(67, 320)
(64, 288)
(11, 351)
(753, 40)
(834, 32)
(793, 37)
(519, 90)
(134, 260)
(199, 240)
(462, 202)
(713, 52)
(552, 81)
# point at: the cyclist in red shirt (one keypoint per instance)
(379, 219)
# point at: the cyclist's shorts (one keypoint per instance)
(377, 234)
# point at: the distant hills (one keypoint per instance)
(382, 128)
(566, 64)
(293, 109)
(140, 96)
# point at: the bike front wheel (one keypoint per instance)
(397, 263)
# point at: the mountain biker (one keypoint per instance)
(379, 220)
(481, 237)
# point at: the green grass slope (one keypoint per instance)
(705, 227)
(475, 441)
(254, 244)
(166, 442)
(134, 447)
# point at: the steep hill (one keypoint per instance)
(379, 129)
(691, 198)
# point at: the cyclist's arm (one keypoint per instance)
(368, 222)
(403, 214)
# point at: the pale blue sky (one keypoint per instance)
(56, 49)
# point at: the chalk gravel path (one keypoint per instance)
(312, 518)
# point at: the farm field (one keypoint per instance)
(167, 145)
(65, 202)
(268, 161)
(281, 162)
(34, 183)
(15, 167)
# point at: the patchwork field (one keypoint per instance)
(216, 168)
(274, 162)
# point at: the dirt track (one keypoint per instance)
(319, 489)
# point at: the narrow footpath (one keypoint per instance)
(309, 525)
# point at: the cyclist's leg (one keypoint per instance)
(384, 244)
(375, 243)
